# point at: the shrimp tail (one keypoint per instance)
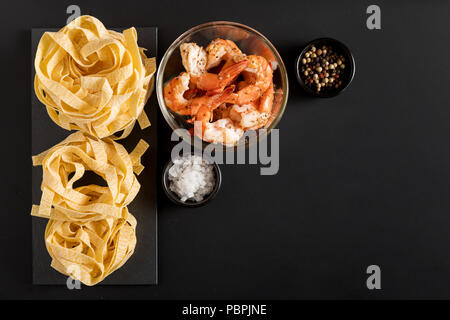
(215, 83)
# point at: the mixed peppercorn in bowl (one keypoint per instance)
(325, 67)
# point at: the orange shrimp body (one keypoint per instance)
(258, 76)
(222, 50)
(174, 94)
(258, 72)
(202, 107)
(254, 115)
(214, 83)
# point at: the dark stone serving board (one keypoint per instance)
(141, 268)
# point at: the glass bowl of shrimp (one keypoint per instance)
(219, 81)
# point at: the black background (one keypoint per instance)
(363, 177)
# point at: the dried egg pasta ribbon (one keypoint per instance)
(91, 250)
(90, 232)
(93, 79)
(67, 162)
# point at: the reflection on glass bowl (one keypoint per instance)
(249, 41)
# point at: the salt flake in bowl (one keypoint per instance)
(191, 180)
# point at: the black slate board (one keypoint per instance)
(141, 268)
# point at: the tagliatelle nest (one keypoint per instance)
(93, 79)
(89, 251)
(90, 232)
(76, 154)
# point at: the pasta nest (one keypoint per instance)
(90, 232)
(91, 250)
(67, 162)
(93, 79)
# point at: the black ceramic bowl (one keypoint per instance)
(190, 204)
(347, 76)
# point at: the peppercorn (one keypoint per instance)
(321, 68)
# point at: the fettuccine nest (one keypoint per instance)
(90, 233)
(93, 79)
(90, 251)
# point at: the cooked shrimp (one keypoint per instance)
(215, 83)
(222, 50)
(222, 131)
(212, 89)
(174, 94)
(253, 115)
(194, 61)
(247, 95)
(266, 102)
(202, 107)
(258, 76)
(193, 58)
(258, 72)
(246, 116)
(222, 111)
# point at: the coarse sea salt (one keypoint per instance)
(191, 178)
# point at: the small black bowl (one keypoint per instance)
(347, 77)
(190, 204)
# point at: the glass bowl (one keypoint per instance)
(249, 41)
